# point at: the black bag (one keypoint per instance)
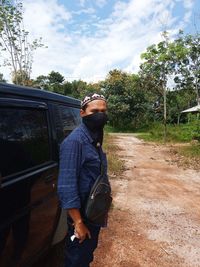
(99, 200)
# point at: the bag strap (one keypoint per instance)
(102, 167)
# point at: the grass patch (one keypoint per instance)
(192, 151)
(111, 129)
(115, 164)
(183, 133)
(188, 155)
(175, 133)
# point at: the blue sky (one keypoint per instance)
(88, 38)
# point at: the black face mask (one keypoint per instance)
(96, 121)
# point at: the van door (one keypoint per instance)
(28, 202)
(65, 120)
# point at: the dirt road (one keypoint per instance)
(156, 216)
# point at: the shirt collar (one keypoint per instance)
(86, 132)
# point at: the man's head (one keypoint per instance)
(93, 112)
(93, 103)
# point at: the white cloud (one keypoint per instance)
(117, 42)
(85, 11)
(49, 22)
(82, 2)
(188, 3)
(101, 3)
(40, 16)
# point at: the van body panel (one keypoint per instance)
(29, 216)
(33, 123)
(11, 90)
(22, 103)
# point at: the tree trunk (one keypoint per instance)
(165, 112)
(178, 119)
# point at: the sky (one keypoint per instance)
(88, 38)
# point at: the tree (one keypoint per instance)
(14, 44)
(178, 100)
(55, 78)
(126, 99)
(79, 88)
(113, 87)
(20, 77)
(179, 59)
(41, 82)
(55, 82)
(2, 78)
(191, 64)
(185, 51)
(156, 69)
(52, 82)
(67, 88)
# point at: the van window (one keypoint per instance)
(66, 119)
(23, 139)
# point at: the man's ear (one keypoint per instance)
(82, 113)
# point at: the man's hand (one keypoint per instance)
(81, 231)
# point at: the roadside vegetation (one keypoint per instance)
(188, 134)
(186, 155)
(184, 140)
(191, 151)
(115, 164)
(184, 132)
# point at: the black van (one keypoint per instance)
(33, 123)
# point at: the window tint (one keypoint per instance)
(66, 119)
(23, 139)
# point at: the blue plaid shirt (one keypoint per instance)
(79, 167)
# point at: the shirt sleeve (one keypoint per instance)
(69, 170)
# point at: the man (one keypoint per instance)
(79, 167)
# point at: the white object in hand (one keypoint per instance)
(72, 237)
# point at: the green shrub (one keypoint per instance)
(175, 133)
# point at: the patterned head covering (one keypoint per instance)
(91, 97)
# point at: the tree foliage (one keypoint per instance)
(14, 44)
(2, 78)
(176, 61)
(189, 64)
(55, 82)
(126, 100)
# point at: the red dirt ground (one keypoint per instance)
(155, 220)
